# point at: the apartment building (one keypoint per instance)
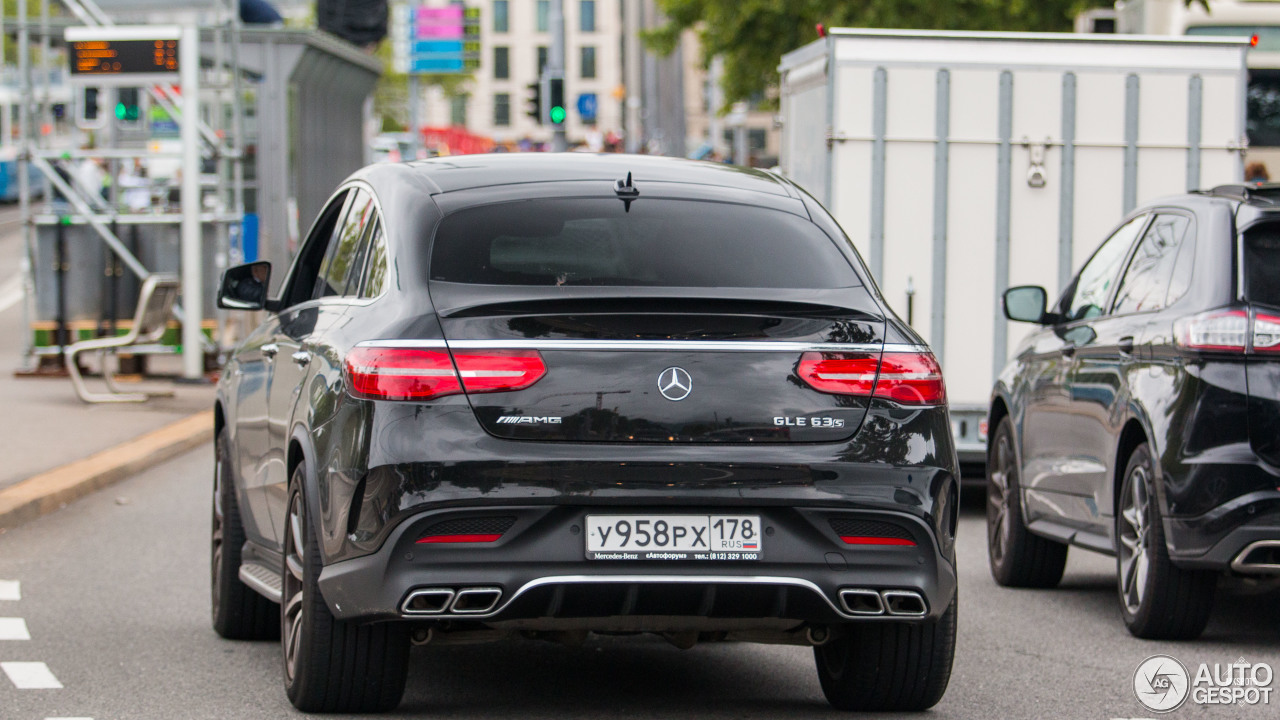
(515, 40)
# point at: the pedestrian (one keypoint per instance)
(1256, 173)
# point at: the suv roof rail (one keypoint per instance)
(1268, 193)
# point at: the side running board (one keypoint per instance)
(262, 580)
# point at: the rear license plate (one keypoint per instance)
(674, 537)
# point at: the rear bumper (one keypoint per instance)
(540, 571)
(1217, 539)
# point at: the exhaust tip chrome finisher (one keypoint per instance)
(431, 601)
(904, 603)
(1261, 557)
(858, 601)
(475, 601)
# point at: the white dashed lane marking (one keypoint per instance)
(30, 675)
(10, 590)
(68, 718)
(13, 629)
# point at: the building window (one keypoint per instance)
(458, 110)
(502, 110)
(500, 16)
(587, 16)
(501, 63)
(588, 62)
(544, 15)
(542, 58)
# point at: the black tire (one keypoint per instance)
(1017, 557)
(888, 666)
(239, 613)
(1159, 601)
(332, 666)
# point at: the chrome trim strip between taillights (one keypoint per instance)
(650, 345)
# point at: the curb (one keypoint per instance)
(42, 494)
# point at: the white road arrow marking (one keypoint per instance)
(13, 629)
(9, 590)
(30, 675)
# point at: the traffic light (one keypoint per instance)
(557, 112)
(128, 107)
(533, 103)
(89, 109)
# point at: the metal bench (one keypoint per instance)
(155, 305)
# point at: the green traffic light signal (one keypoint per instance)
(557, 114)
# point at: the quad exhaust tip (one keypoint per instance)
(1258, 558)
(441, 601)
(475, 600)
(862, 602)
(898, 603)
(433, 601)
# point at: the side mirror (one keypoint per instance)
(1026, 304)
(244, 287)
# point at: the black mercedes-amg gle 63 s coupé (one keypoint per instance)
(548, 395)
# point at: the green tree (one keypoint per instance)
(391, 95)
(752, 35)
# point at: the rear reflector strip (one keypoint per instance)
(479, 538)
(859, 540)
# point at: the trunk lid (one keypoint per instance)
(659, 320)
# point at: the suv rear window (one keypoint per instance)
(657, 242)
(1262, 264)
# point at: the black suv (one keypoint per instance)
(1143, 421)
(551, 395)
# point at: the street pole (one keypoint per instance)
(555, 68)
(715, 98)
(415, 132)
(24, 183)
(632, 80)
(192, 290)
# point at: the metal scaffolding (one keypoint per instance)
(66, 202)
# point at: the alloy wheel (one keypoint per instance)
(294, 607)
(998, 498)
(218, 520)
(1134, 538)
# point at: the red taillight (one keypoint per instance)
(473, 538)
(908, 378)
(499, 370)
(839, 373)
(410, 373)
(911, 379)
(401, 373)
(866, 540)
(1266, 333)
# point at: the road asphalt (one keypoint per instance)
(114, 595)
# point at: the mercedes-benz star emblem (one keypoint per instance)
(675, 384)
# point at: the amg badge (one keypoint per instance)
(528, 420)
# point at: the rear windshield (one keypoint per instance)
(1262, 264)
(657, 242)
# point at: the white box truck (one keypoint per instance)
(963, 163)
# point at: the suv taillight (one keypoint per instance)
(912, 378)
(409, 373)
(1219, 331)
(1266, 333)
(1228, 331)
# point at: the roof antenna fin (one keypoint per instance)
(626, 191)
